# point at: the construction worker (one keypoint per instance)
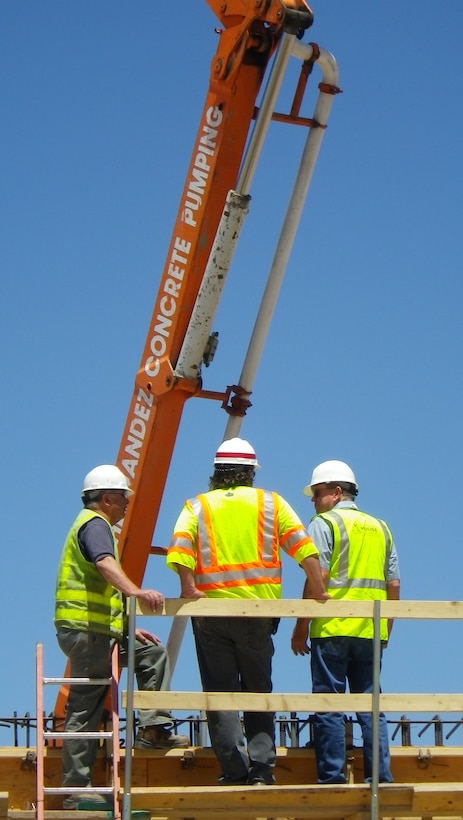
(359, 561)
(226, 544)
(91, 589)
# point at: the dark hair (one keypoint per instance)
(346, 487)
(227, 475)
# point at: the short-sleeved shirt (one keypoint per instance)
(96, 540)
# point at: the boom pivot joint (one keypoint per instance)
(238, 404)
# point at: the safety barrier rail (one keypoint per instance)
(375, 703)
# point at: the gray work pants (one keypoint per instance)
(89, 654)
(235, 655)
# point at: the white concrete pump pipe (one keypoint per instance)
(328, 65)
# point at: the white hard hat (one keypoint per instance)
(106, 477)
(236, 451)
(328, 472)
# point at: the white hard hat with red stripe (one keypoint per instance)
(236, 451)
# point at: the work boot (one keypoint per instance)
(261, 776)
(226, 780)
(158, 737)
(97, 802)
(269, 780)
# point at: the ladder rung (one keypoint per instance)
(112, 793)
(78, 681)
(75, 735)
(78, 790)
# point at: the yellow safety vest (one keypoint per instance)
(231, 539)
(358, 570)
(84, 599)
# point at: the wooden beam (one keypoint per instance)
(273, 801)
(423, 610)
(438, 799)
(3, 804)
(292, 608)
(293, 702)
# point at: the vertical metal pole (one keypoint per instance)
(116, 754)
(39, 733)
(294, 730)
(375, 708)
(266, 110)
(174, 640)
(126, 806)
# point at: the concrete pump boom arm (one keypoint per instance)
(252, 30)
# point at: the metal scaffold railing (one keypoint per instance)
(374, 703)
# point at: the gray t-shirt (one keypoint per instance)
(96, 540)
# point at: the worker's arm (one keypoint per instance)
(113, 573)
(299, 638)
(188, 587)
(393, 594)
(315, 586)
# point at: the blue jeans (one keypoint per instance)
(235, 655)
(335, 662)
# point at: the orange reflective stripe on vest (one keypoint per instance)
(212, 572)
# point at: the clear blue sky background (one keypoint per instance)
(100, 104)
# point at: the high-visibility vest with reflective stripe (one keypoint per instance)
(84, 599)
(358, 570)
(231, 539)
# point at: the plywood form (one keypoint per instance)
(180, 769)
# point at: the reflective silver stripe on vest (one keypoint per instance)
(203, 540)
(357, 583)
(238, 575)
(269, 521)
(343, 581)
(294, 540)
(181, 543)
(388, 540)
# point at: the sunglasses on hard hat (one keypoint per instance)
(123, 493)
(321, 490)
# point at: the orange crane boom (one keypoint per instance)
(251, 32)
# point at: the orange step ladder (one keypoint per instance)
(43, 735)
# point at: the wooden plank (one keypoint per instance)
(238, 608)
(272, 801)
(423, 610)
(17, 752)
(251, 701)
(436, 798)
(435, 703)
(360, 815)
(292, 608)
(433, 751)
(61, 814)
(294, 702)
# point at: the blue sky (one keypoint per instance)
(100, 105)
